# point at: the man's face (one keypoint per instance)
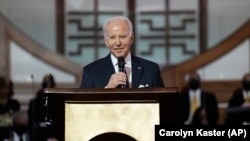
(194, 81)
(119, 39)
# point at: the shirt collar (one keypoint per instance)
(246, 93)
(196, 92)
(127, 59)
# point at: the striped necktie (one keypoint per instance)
(127, 84)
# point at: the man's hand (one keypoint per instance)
(117, 79)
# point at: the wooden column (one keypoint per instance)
(4, 51)
(203, 25)
(60, 26)
(132, 16)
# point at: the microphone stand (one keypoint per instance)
(48, 121)
(33, 109)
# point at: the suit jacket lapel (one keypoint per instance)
(137, 71)
(108, 68)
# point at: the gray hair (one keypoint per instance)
(115, 19)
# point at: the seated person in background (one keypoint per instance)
(200, 117)
(8, 107)
(20, 126)
(37, 112)
(11, 93)
(193, 97)
(240, 98)
(103, 73)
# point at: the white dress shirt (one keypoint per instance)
(246, 94)
(191, 93)
(16, 137)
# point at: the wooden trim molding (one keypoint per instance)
(4, 51)
(223, 89)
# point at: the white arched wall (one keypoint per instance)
(231, 66)
(23, 65)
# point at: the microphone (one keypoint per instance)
(121, 64)
(49, 81)
(121, 68)
(33, 84)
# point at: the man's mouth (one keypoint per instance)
(118, 48)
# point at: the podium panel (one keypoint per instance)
(104, 114)
(136, 120)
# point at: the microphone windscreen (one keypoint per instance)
(121, 62)
(121, 67)
(121, 59)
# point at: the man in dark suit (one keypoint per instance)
(204, 100)
(104, 73)
(240, 100)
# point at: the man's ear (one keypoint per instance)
(106, 42)
(132, 38)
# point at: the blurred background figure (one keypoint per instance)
(200, 117)
(240, 99)
(52, 139)
(20, 130)
(193, 97)
(11, 93)
(37, 112)
(8, 107)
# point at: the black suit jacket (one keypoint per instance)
(208, 101)
(144, 72)
(236, 101)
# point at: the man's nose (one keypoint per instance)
(118, 41)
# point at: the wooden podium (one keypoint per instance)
(94, 114)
